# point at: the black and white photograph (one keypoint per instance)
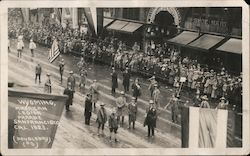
(126, 78)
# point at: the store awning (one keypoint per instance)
(233, 45)
(206, 41)
(117, 25)
(107, 21)
(131, 27)
(184, 38)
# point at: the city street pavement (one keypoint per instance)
(72, 132)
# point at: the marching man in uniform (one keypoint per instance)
(19, 49)
(175, 108)
(101, 118)
(114, 76)
(151, 85)
(113, 124)
(132, 111)
(156, 96)
(121, 107)
(94, 92)
(150, 119)
(88, 109)
(82, 82)
(126, 80)
(47, 85)
(72, 81)
(32, 47)
(38, 72)
(136, 89)
(61, 69)
(68, 91)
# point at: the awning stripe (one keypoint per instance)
(117, 25)
(233, 45)
(184, 38)
(131, 27)
(206, 41)
(107, 21)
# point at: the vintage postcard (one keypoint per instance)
(125, 77)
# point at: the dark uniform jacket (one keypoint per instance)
(70, 96)
(151, 117)
(114, 80)
(101, 116)
(113, 122)
(126, 78)
(72, 81)
(38, 69)
(136, 90)
(88, 107)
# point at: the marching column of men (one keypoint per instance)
(123, 108)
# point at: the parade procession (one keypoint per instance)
(140, 78)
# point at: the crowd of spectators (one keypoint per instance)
(161, 60)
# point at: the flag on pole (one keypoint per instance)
(54, 51)
(207, 128)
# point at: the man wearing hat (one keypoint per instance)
(222, 104)
(121, 107)
(47, 85)
(38, 71)
(68, 91)
(136, 89)
(126, 80)
(114, 76)
(19, 48)
(88, 109)
(132, 111)
(94, 92)
(204, 102)
(72, 81)
(83, 79)
(113, 124)
(101, 118)
(150, 119)
(175, 108)
(32, 47)
(151, 85)
(156, 96)
(61, 69)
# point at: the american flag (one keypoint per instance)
(54, 51)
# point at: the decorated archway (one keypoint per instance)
(173, 11)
